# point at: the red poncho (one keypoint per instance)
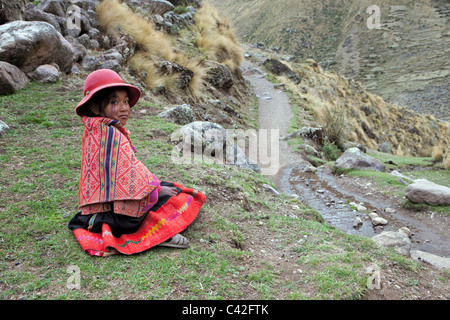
(111, 175)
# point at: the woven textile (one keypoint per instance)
(171, 218)
(110, 171)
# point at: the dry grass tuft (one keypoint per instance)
(446, 157)
(114, 16)
(153, 46)
(217, 38)
(368, 119)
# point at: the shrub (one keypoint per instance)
(330, 150)
(333, 126)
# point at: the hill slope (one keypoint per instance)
(405, 61)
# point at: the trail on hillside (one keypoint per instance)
(330, 195)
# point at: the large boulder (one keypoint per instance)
(353, 158)
(399, 241)
(280, 69)
(424, 191)
(28, 45)
(11, 10)
(219, 75)
(11, 78)
(34, 13)
(209, 142)
(181, 114)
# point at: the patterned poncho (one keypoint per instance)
(111, 175)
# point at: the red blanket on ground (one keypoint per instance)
(171, 218)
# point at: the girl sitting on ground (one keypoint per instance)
(124, 207)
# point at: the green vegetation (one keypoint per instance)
(411, 167)
(245, 244)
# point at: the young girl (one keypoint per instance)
(124, 207)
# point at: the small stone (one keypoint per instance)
(358, 223)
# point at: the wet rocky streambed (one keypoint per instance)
(341, 207)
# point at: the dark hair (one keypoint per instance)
(100, 98)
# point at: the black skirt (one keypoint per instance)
(119, 223)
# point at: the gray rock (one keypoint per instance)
(211, 143)
(55, 7)
(91, 63)
(219, 76)
(112, 59)
(85, 4)
(34, 13)
(280, 69)
(27, 45)
(184, 75)
(79, 49)
(11, 78)
(376, 219)
(11, 10)
(159, 6)
(397, 240)
(424, 191)
(437, 261)
(84, 40)
(354, 159)
(357, 223)
(181, 114)
(3, 127)
(45, 74)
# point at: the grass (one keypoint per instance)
(245, 243)
(412, 167)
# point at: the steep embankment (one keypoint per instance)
(364, 117)
(405, 61)
(348, 112)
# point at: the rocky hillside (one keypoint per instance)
(405, 60)
(190, 55)
(173, 53)
(349, 114)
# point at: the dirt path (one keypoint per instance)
(330, 195)
(274, 113)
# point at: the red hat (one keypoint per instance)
(102, 79)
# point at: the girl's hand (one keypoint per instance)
(170, 191)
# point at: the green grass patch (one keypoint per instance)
(40, 165)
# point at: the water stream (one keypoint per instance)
(320, 190)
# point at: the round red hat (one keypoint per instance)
(102, 79)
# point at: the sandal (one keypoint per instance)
(177, 241)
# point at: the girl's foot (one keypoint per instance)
(177, 241)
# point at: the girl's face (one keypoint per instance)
(118, 107)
